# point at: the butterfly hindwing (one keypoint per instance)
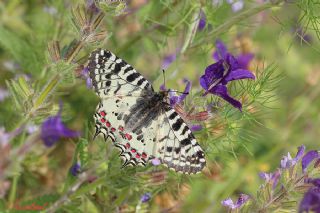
(139, 122)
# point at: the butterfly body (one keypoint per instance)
(140, 121)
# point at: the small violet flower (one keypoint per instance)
(75, 169)
(308, 158)
(155, 162)
(243, 198)
(176, 99)
(85, 75)
(202, 21)
(53, 129)
(173, 97)
(145, 197)
(272, 178)
(287, 161)
(167, 60)
(228, 68)
(195, 127)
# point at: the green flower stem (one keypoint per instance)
(46, 92)
(13, 190)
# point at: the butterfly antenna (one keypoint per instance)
(164, 78)
(185, 93)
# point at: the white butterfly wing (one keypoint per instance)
(165, 136)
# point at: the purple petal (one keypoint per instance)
(195, 128)
(203, 82)
(232, 62)
(168, 60)
(265, 176)
(237, 75)
(300, 153)
(221, 91)
(75, 169)
(145, 197)
(272, 178)
(286, 162)
(202, 21)
(214, 73)
(186, 90)
(275, 178)
(237, 6)
(308, 158)
(53, 129)
(221, 51)
(244, 60)
(311, 201)
(163, 87)
(228, 203)
(155, 162)
(243, 198)
(215, 70)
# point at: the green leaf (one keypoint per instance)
(22, 51)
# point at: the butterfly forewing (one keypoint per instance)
(139, 122)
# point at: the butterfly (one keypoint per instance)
(140, 122)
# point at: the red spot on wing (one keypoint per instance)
(108, 124)
(144, 155)
(103, 113)
(133, 150)
(103, 120)
(127, 145)
(113, 129)
(121, 128)
(128, 136)
(137, 155)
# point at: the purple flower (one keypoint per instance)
(287, 161)
(272, 178)
(311, 200)
(75, 169)
(202, 21)
(53, 129)
(237, 5)
(155, 162)
(219, 74)
(145, 197)
(168, 60)
(176, 99)
(85, 75)
(243, 198)
(195, 128)
(308, 158)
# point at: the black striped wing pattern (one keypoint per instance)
(141, 124)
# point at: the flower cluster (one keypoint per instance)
(227, 68)
(291, 176)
